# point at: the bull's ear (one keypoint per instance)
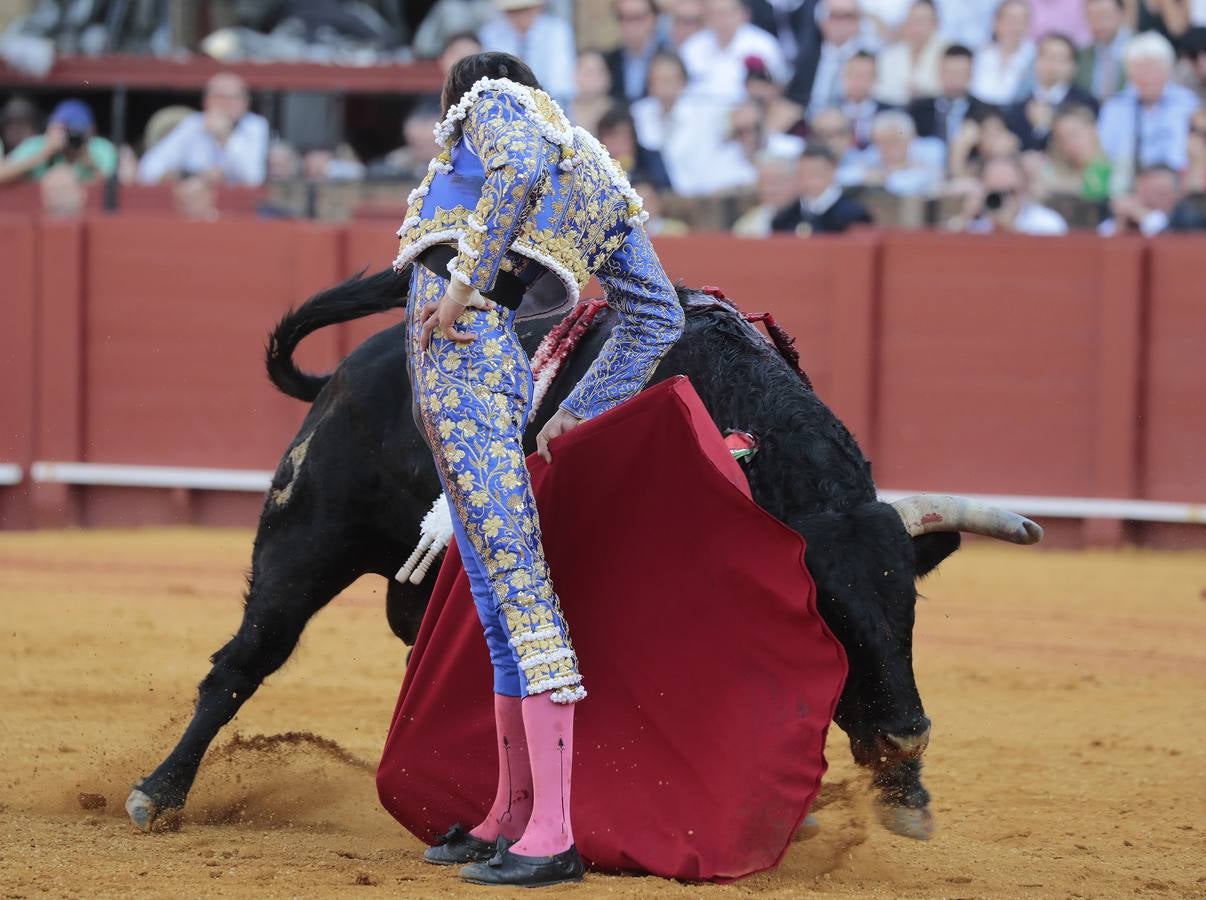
(929, 550)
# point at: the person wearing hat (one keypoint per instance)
(523, 28)
(518, 199)
(70, 138)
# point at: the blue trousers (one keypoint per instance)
(472, 404)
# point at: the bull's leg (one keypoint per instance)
(279, 604)
(404, 607)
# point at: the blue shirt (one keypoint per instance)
(1137, 136)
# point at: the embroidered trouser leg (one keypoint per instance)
(473, 404)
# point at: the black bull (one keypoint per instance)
(348, 495)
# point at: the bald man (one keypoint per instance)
(225, 142)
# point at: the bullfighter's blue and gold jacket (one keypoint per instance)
(518, 189)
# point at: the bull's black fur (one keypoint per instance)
(349, 493)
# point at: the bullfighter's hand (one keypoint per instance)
(443, 315)
(563, 420)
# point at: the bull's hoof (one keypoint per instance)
(146, 814)
(808, 829)
(917, 824)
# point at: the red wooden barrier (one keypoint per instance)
(1018, 366)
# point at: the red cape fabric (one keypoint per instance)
(712, 680)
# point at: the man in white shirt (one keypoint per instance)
(224, 142)
(715, 57)
(545, 42)
(1006, 205)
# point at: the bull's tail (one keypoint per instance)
(352, 299)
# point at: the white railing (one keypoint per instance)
(258, 481)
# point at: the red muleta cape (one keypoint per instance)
(712, 680)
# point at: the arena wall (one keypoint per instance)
(1067, 368)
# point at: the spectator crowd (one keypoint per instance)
(796, 116)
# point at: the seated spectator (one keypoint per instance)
(1003, 66)
(445, 23)
(418, 145)
(658, 225)
(776, 188)
(18, 121)
(542, 40)
(908, 69)
(1003, 204)
(690, 133)
(593, 97)
(194, 199)
(1100, 70)
(162, 123)
(979, 142)
(63, 195)
(225, 142)
(831, 129)
(1059, 17)
(617, 132)
(340, 164)
(1195, 152)
(817, 81)
(1147, 123)
(716, 57)
(1054, 69)
(966, 22)
(639, 41)
(686, 21)
(457, 48)
(1074, 164)
(943, 116)
(855, 96)
(70, 140)
(820, 207)
(1146, 210)
(284, 163)
(900, 162)
(780, 115)
(1191, 72)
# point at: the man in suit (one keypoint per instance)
(822, 207)
(1054, 69)
(855, 99)
(944, 115)
(629, 62)
(792, 22)
(816, 83)
(1100, 69)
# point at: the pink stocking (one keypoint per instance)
(550, 731)
(513, 800)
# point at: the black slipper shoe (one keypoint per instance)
(458, 847)
(513, 870)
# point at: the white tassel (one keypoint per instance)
(435, 534)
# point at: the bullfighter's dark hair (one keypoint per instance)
(491, 64)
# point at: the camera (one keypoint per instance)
(996, 199)
(75, 139)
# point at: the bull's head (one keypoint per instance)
(873, 613)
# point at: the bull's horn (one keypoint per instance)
(927, 513)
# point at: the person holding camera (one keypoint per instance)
(1002, 204)
(70, 139)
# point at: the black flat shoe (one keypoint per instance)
(458, 847)
(513, 870)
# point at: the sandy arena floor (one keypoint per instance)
(1068, 693)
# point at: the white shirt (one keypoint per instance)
(890, 12)
(1150, 225)
(901, 78)
(718, 73)
(966, 22)
(1031, 219)
(548, 47)
(821, 204)
(693, 140)
(1001, 81)
(190, 149)
(1197, 12)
